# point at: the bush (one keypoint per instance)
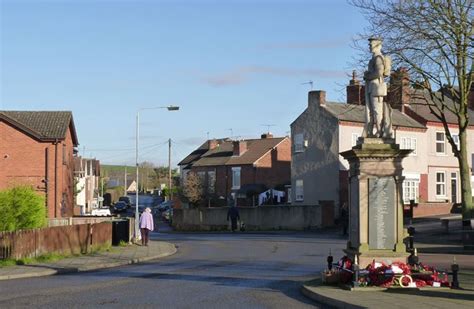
(21, 208)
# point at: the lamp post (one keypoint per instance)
(169, 108)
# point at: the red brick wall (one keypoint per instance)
(23, 161)
(430, 209)
(423, 187)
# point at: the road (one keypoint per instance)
(225, 270)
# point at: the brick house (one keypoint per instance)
(319, 134)
(37, 148)
(242, 168)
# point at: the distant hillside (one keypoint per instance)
(117, 171)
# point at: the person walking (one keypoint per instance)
(146, 225)
(234, 216)
(344, 218)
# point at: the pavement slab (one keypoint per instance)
(116, 256)
(394, 297)
(436, 248)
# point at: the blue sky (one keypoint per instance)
(232, 67)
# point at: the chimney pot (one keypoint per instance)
(355, 92)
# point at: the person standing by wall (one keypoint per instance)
(146, 225)
(234, 216)
(344, 218)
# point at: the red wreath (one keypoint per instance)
(345, 265)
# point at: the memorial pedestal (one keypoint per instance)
(375, 202)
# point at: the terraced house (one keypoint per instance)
(240, 169)
(325, 129)
(37, 149)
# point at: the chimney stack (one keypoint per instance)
(266, 135)
(355, 91)
(316, 97)
(399, 89)
(240, 147)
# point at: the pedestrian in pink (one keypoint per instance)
(146, 225)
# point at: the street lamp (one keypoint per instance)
(169, 108)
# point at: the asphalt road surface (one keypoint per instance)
(221, 270)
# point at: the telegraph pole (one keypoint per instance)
(125, 182)
(169, 169)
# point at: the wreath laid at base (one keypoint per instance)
(382, 275)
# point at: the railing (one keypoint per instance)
(69, 239)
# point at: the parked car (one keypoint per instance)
(101, 212)
(167, 215)
(165, 206)
(120, 206)
(125, 199)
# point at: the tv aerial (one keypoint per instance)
(268, 126)
(310, 83)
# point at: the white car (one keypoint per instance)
(101, 212)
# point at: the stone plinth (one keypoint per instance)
(375, 201)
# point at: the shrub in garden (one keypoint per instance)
(21, 208)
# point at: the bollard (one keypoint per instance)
(411, 233)
(412, 204)
(455, 270)
(413, 258)
(330, 260)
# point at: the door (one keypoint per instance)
(454, 188)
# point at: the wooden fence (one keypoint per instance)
(71, 239)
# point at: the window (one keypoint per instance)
(299, 142)
(456, 140)
(355, 137)
(202, 176)
(440, 184)
(408, 143)
(299, 190)
(236, 178)
(211, 181)
(440, 143)
(410, 191)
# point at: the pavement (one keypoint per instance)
(116, 256)
(435, 248)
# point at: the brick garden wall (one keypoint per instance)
(429, 209)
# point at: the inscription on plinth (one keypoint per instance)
(382, 207)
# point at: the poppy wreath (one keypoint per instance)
(345, 265)
(382, 275)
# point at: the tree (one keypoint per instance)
(433, 40)
(193, 189)
(21, 208)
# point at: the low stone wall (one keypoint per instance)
(263, 218)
